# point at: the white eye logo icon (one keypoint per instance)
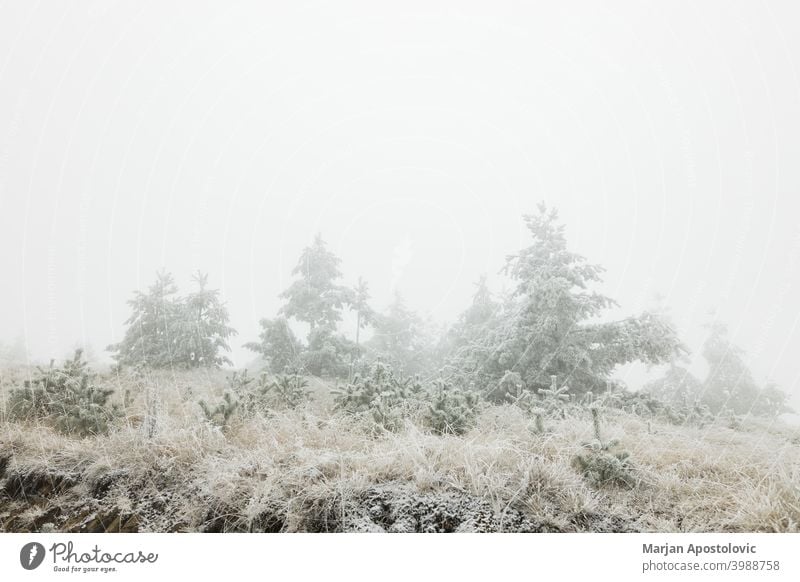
(31, 555)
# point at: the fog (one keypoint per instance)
(136, 136)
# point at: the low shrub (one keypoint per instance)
(450, 410)
(602, 466)
(602, 463)
(287, 390)
(67, 397)
(222, 413)
(380, 395)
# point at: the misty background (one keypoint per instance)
(136, 136)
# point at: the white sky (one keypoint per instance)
(413, 135)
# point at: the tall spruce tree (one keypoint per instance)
(359, 303)
(316, 297)
(278, 346)
(166, 330)
(204, 329)
(545, 327)
(472, 323)
(151, 336)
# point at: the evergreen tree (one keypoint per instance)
(166, 330)
(482, 306)
(359, 303)
(472, 323)
(204, 329)
(278, 346)
(772, 401)
(316, 297)
(678, 387)
(545, 326)
(67, 396)
(328, 353)
(151, 338)
(402, 338)
(729, 384)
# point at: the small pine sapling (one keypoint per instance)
(451, 410)
(554, 398)
(65, 396)
(602, 464)
(611, 398)
(731, 419)
(381, 396)
(222, 414)
(248, 396)
(290, 390)
(377, 394)
(551, 401)
(239, 382)
(85, 410)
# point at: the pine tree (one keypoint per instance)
(402, 338)
(152, 335)
(328, 353)
(545, 326)
(364, 313)
(168, 330)
(278, 346)
(316, 297)
(461, 343)
(203, 330)
(772, 401)
(730, 385)
(472, 322)
(677, 387)
(66, 396)
(450, 409)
